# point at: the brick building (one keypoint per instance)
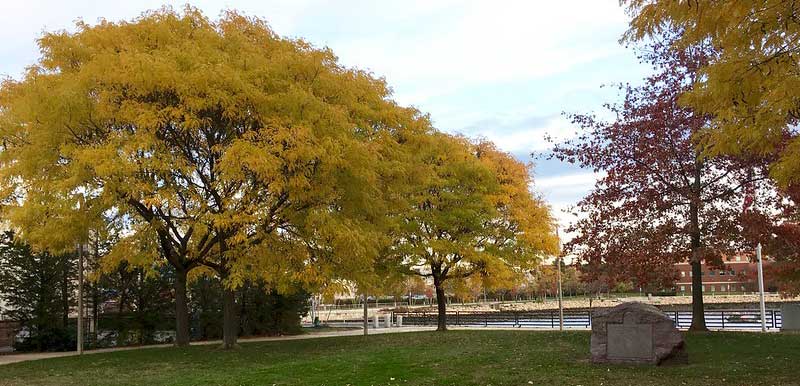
(739, 274)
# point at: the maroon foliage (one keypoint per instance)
(779, 233)
(660, 201)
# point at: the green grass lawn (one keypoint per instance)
(425, 358)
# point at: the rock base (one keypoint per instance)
(636, 333)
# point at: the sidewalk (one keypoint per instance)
(14, 358)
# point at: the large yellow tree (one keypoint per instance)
(472, 214)
(218, 144)
(752, 86)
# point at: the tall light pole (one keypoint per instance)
(761, 289)
(559, 259)
(80, 299)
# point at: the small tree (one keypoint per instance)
(143, 302)
(37, 288)
(474, 215)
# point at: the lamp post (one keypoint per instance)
(761, 289)
(559, 260)
(560, 305)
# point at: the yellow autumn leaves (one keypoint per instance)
(217, 145)
(752, 86)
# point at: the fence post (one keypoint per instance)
(774, 325)
(677, 321)
(723, 319)
(458, 322)
(589, 313)
(516, 319)
(552, 320)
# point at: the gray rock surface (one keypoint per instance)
(635, 333)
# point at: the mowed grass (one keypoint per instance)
(425, 358)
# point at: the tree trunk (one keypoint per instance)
(698, 309)
(65, 292)
(181, 309)
(230, 320)
(95, 312)
(441, 305)
(366, 316)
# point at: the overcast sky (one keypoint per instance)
(504, 70)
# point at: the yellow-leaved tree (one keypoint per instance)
(751, 86)
(220, 145)
(471, 215)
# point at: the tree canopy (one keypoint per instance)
(752, 83)
(218, 144)
(473, 215)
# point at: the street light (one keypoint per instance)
(559, 259)
(761, 289)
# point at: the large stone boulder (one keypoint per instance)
(635, 333)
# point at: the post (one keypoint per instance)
(761, 289)
(366, 317)
(559, 260)
(80, 299)
(560, 305)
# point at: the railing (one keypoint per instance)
(729, 319)
(715, 319)
(356, 306)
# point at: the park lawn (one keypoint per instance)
(460, 358)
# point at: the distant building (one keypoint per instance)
(739, 274)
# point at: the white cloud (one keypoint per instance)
(568, 181)
(472, 43)
(563, 192)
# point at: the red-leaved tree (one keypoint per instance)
(660, 201)
(778, 230)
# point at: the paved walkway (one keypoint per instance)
(14, 358)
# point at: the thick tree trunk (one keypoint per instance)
(698, 309)
(181, 309)
(441, 305)
(230, 320)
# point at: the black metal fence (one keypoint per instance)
(715, 319)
